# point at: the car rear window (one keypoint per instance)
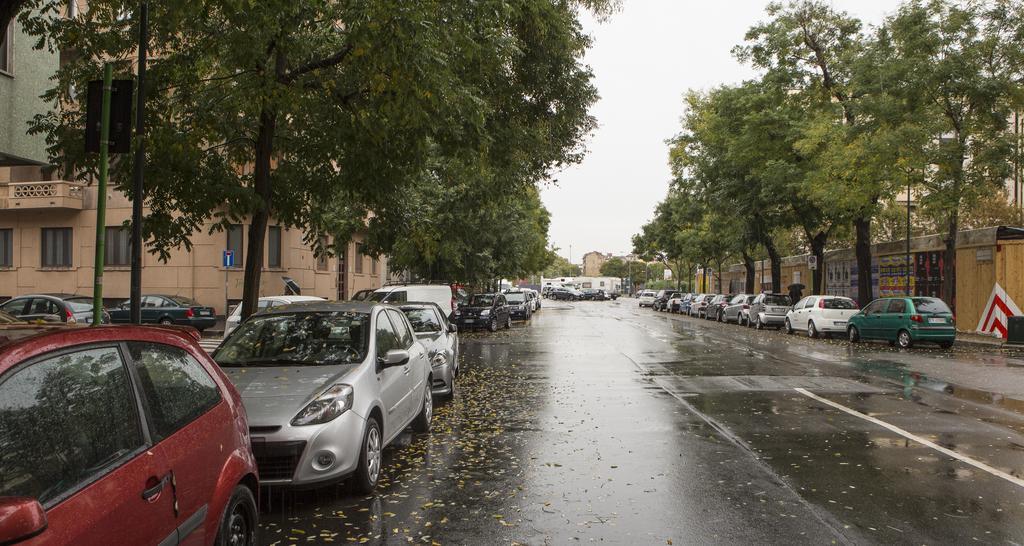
(930, 305)
(776, 299)
(515, 297)
(183, 301)
(839, 303)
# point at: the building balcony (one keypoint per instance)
(53, 194)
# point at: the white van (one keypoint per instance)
(441, 294)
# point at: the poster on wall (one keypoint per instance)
(928, 274)
(893, 273)
(837, 278)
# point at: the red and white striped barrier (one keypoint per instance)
(999, 308)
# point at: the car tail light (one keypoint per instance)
(916, 318)
(71, 318)
(189, 313)
(745, 306)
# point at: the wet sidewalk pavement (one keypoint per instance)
(598, 422)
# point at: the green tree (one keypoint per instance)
(959, 87)
(285, 109)
(808, 47)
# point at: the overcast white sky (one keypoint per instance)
(644, 58)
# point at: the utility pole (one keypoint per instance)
(907, 264)
(101, 201)
(138, 168)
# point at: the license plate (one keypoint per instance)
(936, 321)
(205, 313)
(468, 320)
(839, 323)
(778, 310)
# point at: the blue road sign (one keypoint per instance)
(229, 258)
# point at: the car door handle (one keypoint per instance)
(405, 370)
(150, 493)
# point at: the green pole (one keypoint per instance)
(101, 202)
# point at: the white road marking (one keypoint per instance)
(911, 436)
(209, 344)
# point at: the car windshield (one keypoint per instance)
(515, 297)
(481, 300)
(930, 305)
(311, 339)
(776, 299)
(423, 320)
(183, 301)
(839, 303)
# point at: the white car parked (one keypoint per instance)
(264, 303)
(647, 298)
(821, 315)
(397, 294)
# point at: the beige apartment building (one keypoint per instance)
(592, 262)
(47, 245)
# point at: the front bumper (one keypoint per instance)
(287, 456)
(443, 379)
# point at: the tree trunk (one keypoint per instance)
(748, 265)
(949, 262)
(776, 261)
(818, 250)
(719, 270)
(258, 226)
(862, 248)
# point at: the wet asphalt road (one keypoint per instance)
(601, 422)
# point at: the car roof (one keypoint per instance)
(323, 306)
(45, 338)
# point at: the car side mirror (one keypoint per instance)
(21, 518)
(395, 357)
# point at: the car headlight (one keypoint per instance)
(485, 312)
(439, 359)
(326, 407)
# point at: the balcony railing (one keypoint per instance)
(59, 194)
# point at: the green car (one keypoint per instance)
(904, 321)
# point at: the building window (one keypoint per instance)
(6, 248)
(56, 247)
(7, 49)
(235, 242)
(274, 247)
(373, 266)
(358, 259)
(117, 246)
(321, 260)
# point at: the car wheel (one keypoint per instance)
(853, 334)
(904, 340)
(368, 470)
(788, 327)
(493, 325)
(508, 322)
(240, 523)
(422, 421)
(166, 321)
(946, 344)
(812, 332)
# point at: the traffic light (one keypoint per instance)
(120, 116)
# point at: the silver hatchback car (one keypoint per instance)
(326, 387)
(441, 340)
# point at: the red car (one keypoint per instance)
(120, 435)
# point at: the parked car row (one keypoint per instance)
(901, 321)
(133, 434)
(568, 293)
